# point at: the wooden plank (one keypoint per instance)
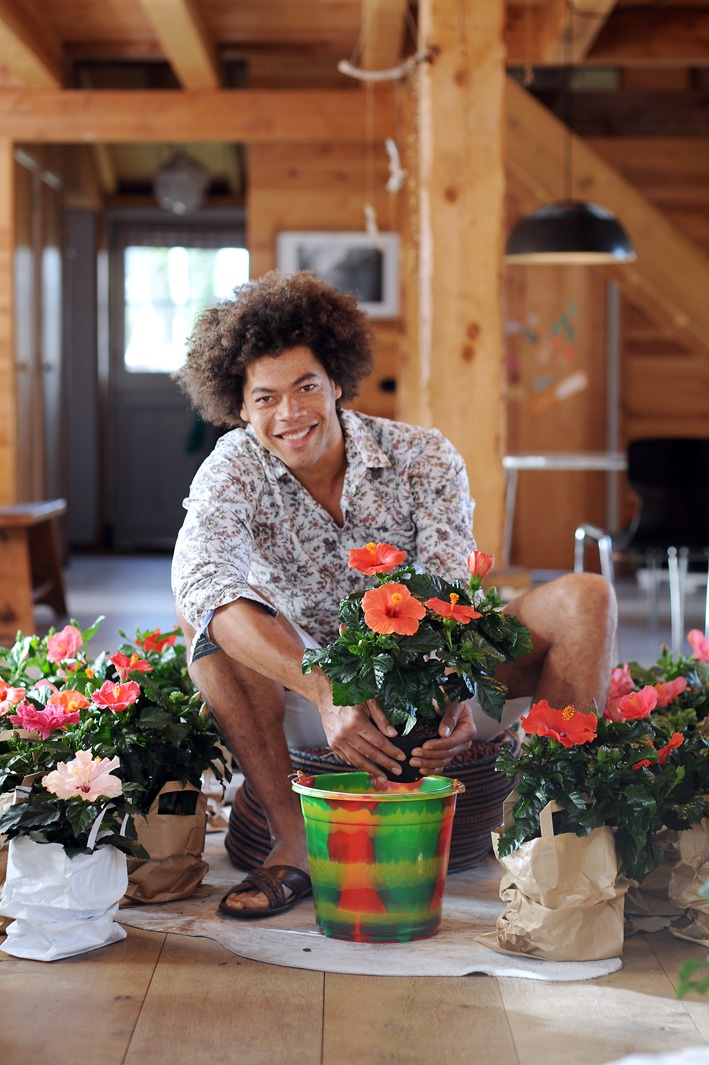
(671, 276)
(671, 952)
(460, 218)
(96, 996)
(663, 37)
(185, 39)
(383, 33)
(567, 37)
(206, 1004)
(250, 115)
(632, 1011)
(415, 1020)
(26, 47)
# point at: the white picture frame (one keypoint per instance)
(349, 261)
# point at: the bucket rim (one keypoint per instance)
(302, 783)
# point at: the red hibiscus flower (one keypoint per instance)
(155, 641)
(568, 726)
(116, 697)
(676, 740)
(125, 665)
(463, 614)
(375, 558)
(392, 608)
(669, 690)
(633, 706)
(480, 564)
(699, 644)
(64, 644)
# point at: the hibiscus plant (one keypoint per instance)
(640, 765)
(69, 721)
(414, 640)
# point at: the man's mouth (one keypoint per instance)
(294, 435)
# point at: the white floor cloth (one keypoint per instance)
(471, 906)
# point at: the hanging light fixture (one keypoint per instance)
(569, 231)
(180, 185)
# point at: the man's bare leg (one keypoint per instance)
(572, 621)
(249, 709)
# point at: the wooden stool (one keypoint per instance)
(30, 565)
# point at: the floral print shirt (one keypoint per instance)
(251, 525)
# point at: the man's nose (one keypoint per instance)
(290, 406)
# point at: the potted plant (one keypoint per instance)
(415, 641)
(138, 705)
(379, 852)
(606, 786)
(66, 869)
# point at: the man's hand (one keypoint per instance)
(456, 731)
(358, 735)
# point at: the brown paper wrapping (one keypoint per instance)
(563, 894)
(175, 843)
(651, 898)
(687, 879)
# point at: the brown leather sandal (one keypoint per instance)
(271, 881)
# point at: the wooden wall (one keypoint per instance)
(324, 187)
(34, 464)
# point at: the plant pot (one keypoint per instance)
(424, 729)
(61, 906)
(378, 854)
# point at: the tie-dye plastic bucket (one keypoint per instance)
(378, 854)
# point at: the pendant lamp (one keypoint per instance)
(569, 231)
(180, 185)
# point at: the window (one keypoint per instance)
(165, 289)
(162, 272)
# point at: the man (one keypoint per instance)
(260, 564)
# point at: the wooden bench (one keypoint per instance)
(30, 565)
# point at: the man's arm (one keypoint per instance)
(267, 645)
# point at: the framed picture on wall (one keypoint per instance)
(349, 261)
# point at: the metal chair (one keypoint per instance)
(670, 477)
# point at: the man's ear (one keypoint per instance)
(338, 390)
(242, 413)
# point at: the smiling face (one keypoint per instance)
(290, 403)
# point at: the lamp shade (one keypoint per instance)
(569, 232)
(180, 185)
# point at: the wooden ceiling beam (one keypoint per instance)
(567, 37)
(666, 37)
(185, 39)
(663, 37)
(26, 49)
(383, 24)
(257, 116)
(670, 278)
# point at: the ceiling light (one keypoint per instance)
(181, 184)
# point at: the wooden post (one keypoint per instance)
(460, 224)
(8, 394)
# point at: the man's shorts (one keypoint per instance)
(302, 723)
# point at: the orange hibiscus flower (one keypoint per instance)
(568, 726)
(480, 564)
(633, 706)
(375, 558)
(463, 614)
(392, 608)
(155, 641)
(69, 700)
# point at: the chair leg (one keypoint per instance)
(653, 574)
(677, 563)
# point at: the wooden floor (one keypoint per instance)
(177, 999)
(189, 1001)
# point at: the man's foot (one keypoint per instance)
(279, 886)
